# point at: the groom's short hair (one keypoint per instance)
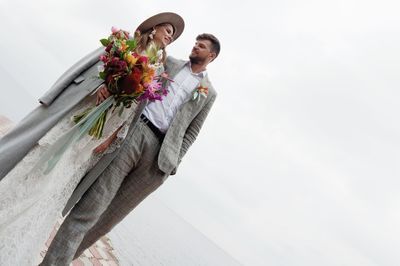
(215, 45)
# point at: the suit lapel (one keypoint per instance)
(173, 68)
(185, 115)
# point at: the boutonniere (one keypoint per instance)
(200, 91)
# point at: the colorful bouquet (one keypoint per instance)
(129, 76)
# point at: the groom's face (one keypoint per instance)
(201, 52)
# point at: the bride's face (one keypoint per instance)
(163, 35)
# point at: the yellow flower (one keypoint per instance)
(130, 59)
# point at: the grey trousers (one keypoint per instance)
(129, 179)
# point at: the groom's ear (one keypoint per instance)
(212, 56)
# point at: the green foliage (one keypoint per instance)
(105, 42)
(152, 52)
(102, 75)
(77, 118)
(97, 130)
(132, 44)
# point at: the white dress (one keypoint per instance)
(31, 202)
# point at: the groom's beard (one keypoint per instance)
(194, 60)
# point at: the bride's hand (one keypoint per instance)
(104, 146)
(102, 94)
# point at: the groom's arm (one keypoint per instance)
(194, 129)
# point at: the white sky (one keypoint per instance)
(297, 163)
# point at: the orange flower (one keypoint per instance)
(148, 74)
(200, 91)
(124, 46)
(203, 90)
(139, 88)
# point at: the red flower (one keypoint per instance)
(137, 74)
(109, 79)
(143, 60)
(130, 83)
(108, 48)
(127, 84)
(115, 65)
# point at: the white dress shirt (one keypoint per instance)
(161, 113)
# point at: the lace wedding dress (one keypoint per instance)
(31, 202)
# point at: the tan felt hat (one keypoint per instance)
(166, 17)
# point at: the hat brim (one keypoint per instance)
(166, 17)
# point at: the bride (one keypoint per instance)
(31, 201)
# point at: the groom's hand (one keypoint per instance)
(102, 94)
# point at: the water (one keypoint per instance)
(154, 235)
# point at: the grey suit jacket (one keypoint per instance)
(186, 124)
(75, 84)
(179, 137)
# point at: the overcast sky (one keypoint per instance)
(298, 162)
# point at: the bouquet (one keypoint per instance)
(129, 76)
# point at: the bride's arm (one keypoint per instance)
(103, 146)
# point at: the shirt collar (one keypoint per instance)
(201, 74)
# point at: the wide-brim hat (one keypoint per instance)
(166, 17)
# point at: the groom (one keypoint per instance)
(153, 149)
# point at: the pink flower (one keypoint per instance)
(154, 91)
(114, 29)
(153, 85)
(103, 58)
